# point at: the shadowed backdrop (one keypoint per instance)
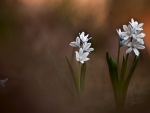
(34, 40)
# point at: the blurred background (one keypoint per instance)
(34, 40)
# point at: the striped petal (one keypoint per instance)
(136, 52)
(128, 50)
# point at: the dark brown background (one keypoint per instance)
(34, 40)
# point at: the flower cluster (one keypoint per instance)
(84, 47)
(132, 37)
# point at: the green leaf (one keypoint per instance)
(122, 71)
(126, 84)
(82, 76)
(121, 82)
(114, 78)
(113, 72)
(107, 58)
(130, 73)
(108, 62)
(72, 72)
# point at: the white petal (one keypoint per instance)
(90, 38)
(136, 51)
(128, 50)
(90, 49)
(74, 44)
(126, 37)
(117, 31)
(80, 52)
(78, 40)
(132, 20)
(138, 28)
(82, 62)
(82, 34)
(85, 59)
(140, 47)
(140, 25)
(125, 28)
(86, 35)
(136, 22)
(77, 56)
(141, 35)
(140, 41)
(130, 23)
(124, 33)
(85, 54)
(130, 29)
(86, 45)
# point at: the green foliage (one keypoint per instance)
(72, 72)
(79, 84)
(112, 71)
(123, 68)
(126, 84)
(120, 82)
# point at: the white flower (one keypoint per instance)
(83, 37)
(135, 25)
(134, 45)
(128, 31)
(86, 47)
(138, 36)
(122, 39)
(81, 56)
(76, 44)
(120, 33)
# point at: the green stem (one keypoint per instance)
(118, 56)
(122, 94)
(79, 85)
(125, 66)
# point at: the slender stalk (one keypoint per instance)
(125, 66)
(79, 85)
(126, 85)
(118, 91)
(118, 55)
(122, 94)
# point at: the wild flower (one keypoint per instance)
(128, 31)
(76, 43)
(84, 38)
(134, 45)
(139, 36)
(81, 56)
(132, 36)
(84, 47)
(135, 25)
